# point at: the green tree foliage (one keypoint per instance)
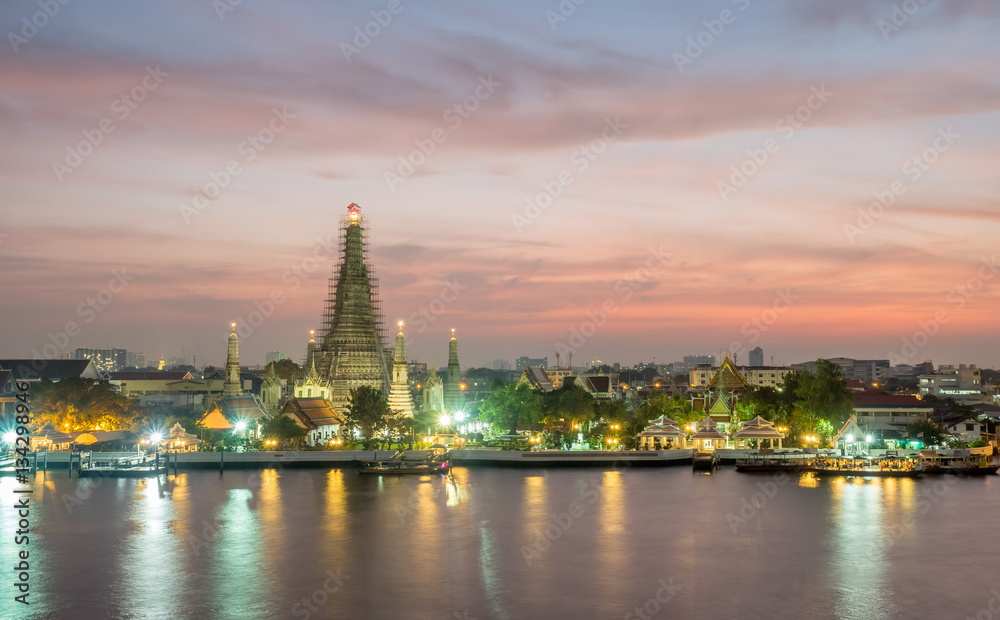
(927, 431)
(84, 404)
(424, 420)
(822, 395)
(567, 406)
(510, 406)
(284, 430)
(369, 412)
(774, 405)
(673, 406)
(286, 369)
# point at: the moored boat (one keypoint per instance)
(400, 465)
(705, 460)
(766, 463)
(971, 462)
(868, 467)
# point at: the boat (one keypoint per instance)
(972, 462)
(705, 460)
(768, 463)
(399, 464)
(889, 467)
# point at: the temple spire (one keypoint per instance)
(232, 385)
(453, 397)
(351, 352)
(399, 392)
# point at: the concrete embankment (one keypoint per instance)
(126, 465)
(563, 458)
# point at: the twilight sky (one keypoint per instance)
(117, 117)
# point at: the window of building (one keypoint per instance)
(970, 427)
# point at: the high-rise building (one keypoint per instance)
(756, 357)
(866, 371)
(399, 394)
(134, 359)
(232, 385)
(700, 359)
(274, 356)
(501, 365)
(692, 361)
(108, 359)
(963, 383)
(352, 353)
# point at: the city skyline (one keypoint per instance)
(666, 145)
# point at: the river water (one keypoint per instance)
(506, 543)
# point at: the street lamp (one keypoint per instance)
(444, 420)
(241, 428)
(155, 439)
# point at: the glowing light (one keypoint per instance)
(868, 438)
(850, 438)
(459, 416)
(241, 426)
(445, 420)
(155, 437)
(10, 437)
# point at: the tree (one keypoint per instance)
(283, 429)
(927, 431)
(369, 412)
(285, 369)
(675, 407)
(822, 395)
(510, 406)
(774, 405)
(84, 404)
(567, 404)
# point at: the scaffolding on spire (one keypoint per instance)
(352, 352)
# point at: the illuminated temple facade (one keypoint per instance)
(399, 394)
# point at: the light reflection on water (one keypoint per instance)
(253, 544)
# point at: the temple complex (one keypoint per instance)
(719, 399)
(234, 408)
